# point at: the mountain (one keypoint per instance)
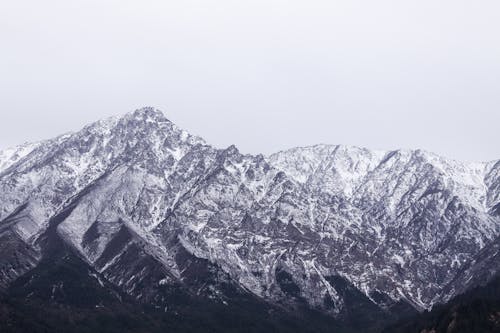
(159, 217)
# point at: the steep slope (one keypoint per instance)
(64, 294)
(420, 218)
(341, 230)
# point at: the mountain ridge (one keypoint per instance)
(319, 225)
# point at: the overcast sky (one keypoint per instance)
(264, 75)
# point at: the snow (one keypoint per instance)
(10, 156)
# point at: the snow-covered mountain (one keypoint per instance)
(337, 228)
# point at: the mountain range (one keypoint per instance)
(133, 215)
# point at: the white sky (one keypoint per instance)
(264, 75)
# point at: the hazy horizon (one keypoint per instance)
(262, 75)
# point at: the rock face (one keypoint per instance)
(339, 229)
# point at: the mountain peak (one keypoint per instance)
(142, 115)
(143, 124)
(147, 113)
